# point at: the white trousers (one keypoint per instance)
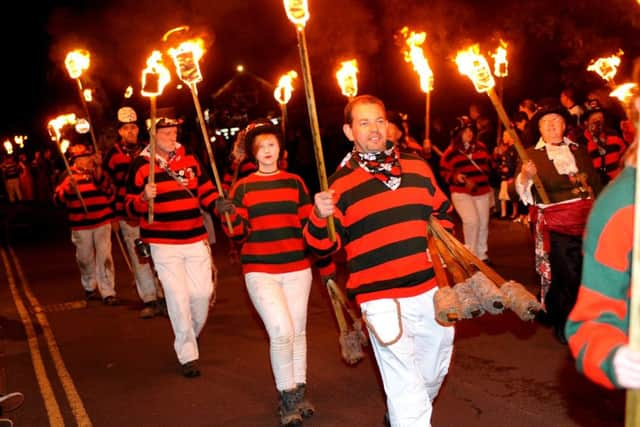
(413, 367)
(185, 273)
(281, 301)
(148, 287)
(93, 255)
(474, 212)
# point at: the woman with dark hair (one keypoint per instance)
(269, 209)
(465, 166)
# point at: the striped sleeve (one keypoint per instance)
(240, 218)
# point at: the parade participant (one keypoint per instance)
(568, 101)
(271, 208)
(397, 134)
(177, 238)
(116, 163)
(381, 200)
(11, 176)
(505, 159)
(605, 148)
(90, 230)
(598, 325)
(567, 175)
(466, 166)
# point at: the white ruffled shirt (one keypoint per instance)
(563, 160)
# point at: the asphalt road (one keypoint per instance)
(103, 366)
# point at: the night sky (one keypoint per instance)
(550, 45)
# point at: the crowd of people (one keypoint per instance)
(160, 201)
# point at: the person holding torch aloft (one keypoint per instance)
(381, 200)
(177, 239)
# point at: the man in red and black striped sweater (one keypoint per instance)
(90, 227)
(116, 163)
(381, 201)
(177, 237)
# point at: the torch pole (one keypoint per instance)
(500, 86)
(315, 128)
(283, 124)
(86, 111)
(502, 115)
(632, 411)
(207, 143)
(152, 157)
(66, 165)
(427, 117)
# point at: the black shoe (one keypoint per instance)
(111, 300)
(92, 295)
(190, 370)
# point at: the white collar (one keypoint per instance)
(541, 144)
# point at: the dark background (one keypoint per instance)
(550, 45)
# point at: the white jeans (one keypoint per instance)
(185, 273)
(414, 367)
(281, 301)
(93, 255)
(148, 287)
(474, 212)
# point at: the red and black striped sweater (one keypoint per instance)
(455, 161)
(177, 216)
(98, 196)
(383, 231)
(116, 162)
(271, 211)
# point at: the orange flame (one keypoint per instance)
(128, 92)
(186, 57)
(474, 65)
(88, 96)
(414, 54)
(297, 12)
(19, 140)
(156, 76)
(624, 92)
(500, 62)
(77, 61)
(347, 78)
(8, 147)
(606, 67)
(283, 91)
(59, 122)
(64, 145)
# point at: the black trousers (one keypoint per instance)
(565, 257)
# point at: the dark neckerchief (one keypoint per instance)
(383, 165)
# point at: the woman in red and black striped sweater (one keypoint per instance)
(177, 237)
(465, 166)
(271, 209)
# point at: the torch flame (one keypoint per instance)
(88, 96)
(414, 54)
(128, 92)
(77, 61)
(8, 147)
(347, 78)
(500, 62)
(156, 76)
(59, 122)
(297, 12)
(186, 57)
(283, 91)
(624, 92)
(606, 67)
(474, 65)
(19, 140)
(64, 145)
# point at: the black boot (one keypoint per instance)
(305, 408)
(289, 415)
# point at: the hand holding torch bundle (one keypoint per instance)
(474, 65)
(298, 13)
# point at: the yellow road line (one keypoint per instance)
(50, 402)
(75, 402)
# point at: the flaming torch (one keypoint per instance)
(347, 77)
(8, 147)
(607, 68)
(55, 127)
(500, 70)
(624, 93)
(154, 78)
(298, 13)
(282, 94)
(474, 65)
(414, 54)
(77, 62)
(185, 58)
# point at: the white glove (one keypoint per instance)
(626, 366)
